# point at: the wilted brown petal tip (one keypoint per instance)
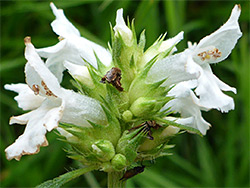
(27, 40)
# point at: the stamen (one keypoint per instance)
(36, 89)
(206, 55)
(48, 91)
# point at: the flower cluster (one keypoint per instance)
(131, 101)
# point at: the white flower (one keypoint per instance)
(54, 104)
(122, 28)
(195, 60)
(213, 49)
(72, 47)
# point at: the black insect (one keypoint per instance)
(113, 77)
(132, 172)
(147, 128)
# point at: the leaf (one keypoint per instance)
(61, 180)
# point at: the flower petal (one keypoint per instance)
(72, 48)
(62, 26)
(173, 68)
(122, 28)
(171, 42)
(187, 104)
(80, 73)
(39, 121)
(80, 108)
(38, 77)
(26, 98)
(224, 40)
(209, 91)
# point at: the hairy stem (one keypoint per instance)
(114, 180)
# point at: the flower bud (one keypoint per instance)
(80, 73)
(127, 115)
(119, 162)
(122, 28)
(104, 150)
(142, 106)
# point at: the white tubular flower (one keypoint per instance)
(58, 105)
(122, 28)
(186, 103)
(213, 49)
(162, 46)
(72, 47)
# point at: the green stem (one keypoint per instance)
(114, 180)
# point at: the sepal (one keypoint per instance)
(129, 142)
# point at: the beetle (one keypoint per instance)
(132, 172)
(113, 76)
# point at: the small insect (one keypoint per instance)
(132, 172)
(113, 77)
(147, 127)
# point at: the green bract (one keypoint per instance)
(113, 146)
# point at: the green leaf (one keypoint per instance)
(61, 180)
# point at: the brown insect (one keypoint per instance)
(132, 172)
(147, 128)
(113, 77)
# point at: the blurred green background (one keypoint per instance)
(220, 159)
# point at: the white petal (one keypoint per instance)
(32, 138)
(53, 116)
(187, 104)
(62, 26)
(39, 121)
(224, 39)
(38, 77)
(209, 91)
(171, 42)
(173, 68)
(77, 50)
(122, 28)
(22, 119)
(72, 48)
(79, 72)
(26, 98)
(80, 108)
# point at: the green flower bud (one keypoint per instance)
(142, 106)
(127, 115)
(119, 162)
(104, 150)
